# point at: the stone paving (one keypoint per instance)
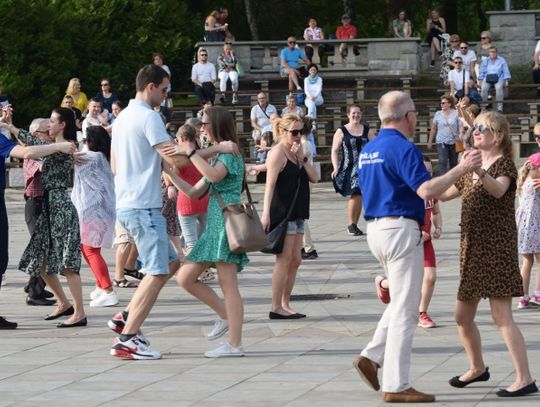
(288, 363)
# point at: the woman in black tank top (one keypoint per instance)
(287, 172)
(435, 26)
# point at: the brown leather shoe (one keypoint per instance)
(408, 396)
(368, 371)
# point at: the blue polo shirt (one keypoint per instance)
(390, 170)
(292, 56)
(6, 146)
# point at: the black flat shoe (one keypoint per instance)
(82, 322)
(5, 324)
(64, 313)
(47, 294)
(455, 382)
(275, 315)
(39, 301)
(528, 389)
(300, 315)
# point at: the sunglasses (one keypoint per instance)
(481, 128)
(294, 133)
(458, 62)
(292, 42)
(463, 47)
(104, 84)
(484, 38)
(203, 55)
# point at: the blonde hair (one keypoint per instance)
(71, 85)
(500, 128)
(285, 123)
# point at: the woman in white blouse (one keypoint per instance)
(313, 89)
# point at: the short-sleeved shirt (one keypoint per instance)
(447, 127)
(203, 72)
(135, 134)
(399, 26)
(262, 117)
(390, 170)
(467, 58)
(291, 57)
(457, 78)
(345, 33)
(6, 146)
(313, 33)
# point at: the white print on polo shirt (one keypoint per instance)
(369, 158)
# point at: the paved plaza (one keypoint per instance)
(292, 363)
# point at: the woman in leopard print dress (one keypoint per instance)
(489, 265)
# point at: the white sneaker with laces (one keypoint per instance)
(105, 300)
(221, 326)
(96, 293)
(133, 349)
(225, 350)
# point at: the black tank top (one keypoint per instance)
(284, 190)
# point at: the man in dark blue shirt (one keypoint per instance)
(395, 183)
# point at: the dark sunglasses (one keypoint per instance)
(458, 62)
(295, 133)
(463, 47)
(292, 42)
(484, 38)
(203, 55)
(481, 128)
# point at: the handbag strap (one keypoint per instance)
(217, 194)
(449, 125)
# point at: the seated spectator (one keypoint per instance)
(213, 30)
(261, 115)
(482, 50)
(290, 55)
(67, 102)
(80, 101)
(313, 87)
(292, 107)
(313, 33)
(159, 61)
(265, 145)
(469, 58)
(203, 76)
(401, 26)
(459, 80)
(227, 70)
(165, 114)
(106, 97)
(536, 68)
(346, 31)
(435, 26)
(95, 116)
(494, 71)
(449, 52)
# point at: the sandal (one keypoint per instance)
(125, 283)
(134, 273)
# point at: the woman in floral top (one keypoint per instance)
(227, 70)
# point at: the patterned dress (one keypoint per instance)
(346, 180)
(213, 245)
(489, 264)
(56, 238)
(528, 219)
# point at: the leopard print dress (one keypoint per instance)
(489, 265)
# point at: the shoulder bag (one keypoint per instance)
(242, 225)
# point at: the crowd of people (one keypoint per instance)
(138, 187)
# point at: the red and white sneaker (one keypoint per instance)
(424, 321)
(117, 324)
(133, 349)
(382, 293)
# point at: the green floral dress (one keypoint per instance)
(56, 238)
(213, 246)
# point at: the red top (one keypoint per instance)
(188, 206)
(345, 33)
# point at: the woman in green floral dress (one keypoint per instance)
(54, 247)
(225, 174)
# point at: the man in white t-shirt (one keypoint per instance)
(94, 116)
(203, 76)
(468, 57)
(261, 115)
(459, 79)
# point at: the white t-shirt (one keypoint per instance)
(203, 72)
(457, 78)
(467, 58)
(263, 120)
(138, 165)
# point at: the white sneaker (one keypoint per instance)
(225, 350)
(220, 327)
(96, 293)
(133, 349)
(234, 99)
(105, 300)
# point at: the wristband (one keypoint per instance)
(191, 154)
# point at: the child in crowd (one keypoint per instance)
(432, 217)
(528, 225)
(263, 146)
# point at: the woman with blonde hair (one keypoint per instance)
(213, 30)
(287, 186)
(80, 101)
(489, 266)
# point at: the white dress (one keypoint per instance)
(93, 196)
(528, 219)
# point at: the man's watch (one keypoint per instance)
(305, 159)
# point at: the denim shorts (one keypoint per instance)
(149, 232)
(295, 227)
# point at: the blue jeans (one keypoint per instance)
(446, 153)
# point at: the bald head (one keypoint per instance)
(393, 106)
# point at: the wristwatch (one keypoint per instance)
(305, 159)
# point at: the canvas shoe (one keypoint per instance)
(523, 303)
(105, 300)
(234, 99)
(352, 230)
(225, 350)
(117, 324)
(424, 321)
(133, 349)
(534, 300)
(221, 326)
(96, 293)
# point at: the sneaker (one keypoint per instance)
(523, 303)
(225, 350)
(234, 99)
(5, 324)
(312, 255)
(96, 293)
(220, 327)
(382, 293)
(535, 300)
(424, 321)
(105, 300)
(117, 324)
(352, 230)
(134, 349)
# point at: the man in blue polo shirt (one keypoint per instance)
(9, 149)
(290, 55)
(395, 183)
